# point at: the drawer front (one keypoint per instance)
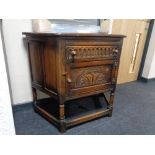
(90, 53)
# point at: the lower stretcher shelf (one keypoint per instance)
(76, 111)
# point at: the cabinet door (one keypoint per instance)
(91, 66)
(88, 80)
(87, 76)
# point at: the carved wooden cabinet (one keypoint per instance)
(71, 66)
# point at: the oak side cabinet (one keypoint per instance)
(71, 66)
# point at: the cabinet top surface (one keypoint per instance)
(47, 34)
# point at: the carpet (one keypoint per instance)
(133, 114)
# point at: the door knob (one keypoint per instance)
(69, 80)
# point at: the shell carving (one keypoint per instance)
(90, 76)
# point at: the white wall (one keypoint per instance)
(18, 59)
(149, 66)
(152, 68)
(6, 116)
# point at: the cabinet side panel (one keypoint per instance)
(50, 67)
(36, 63)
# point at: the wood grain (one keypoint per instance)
(73, 66)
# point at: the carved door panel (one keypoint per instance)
(87, 80)
(89, 76)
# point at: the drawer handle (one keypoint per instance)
(71, 56)
(69, 80)
(115, 51)
(73, 53)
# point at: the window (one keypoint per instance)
(75, 25)
(94, 22)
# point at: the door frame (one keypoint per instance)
(147, 41)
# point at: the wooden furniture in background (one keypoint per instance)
(70, 66)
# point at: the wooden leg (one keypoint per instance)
(110, 113)
(34, 98)
(34, 95)
(110, 105)
(62, 118)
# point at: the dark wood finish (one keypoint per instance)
(102, 34)
(69, 66)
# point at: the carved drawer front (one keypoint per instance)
(89, 79)
(88, 53)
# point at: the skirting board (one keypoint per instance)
(21, 106)
(147, 80)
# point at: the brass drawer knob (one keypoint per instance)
(71, 56)
(69, 80)
(73, 53)
(115, 51)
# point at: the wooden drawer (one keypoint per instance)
(90, 53)
(91, 49)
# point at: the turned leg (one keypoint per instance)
(62, 117)
(34, 98)
(34, 95)
(110, 103)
